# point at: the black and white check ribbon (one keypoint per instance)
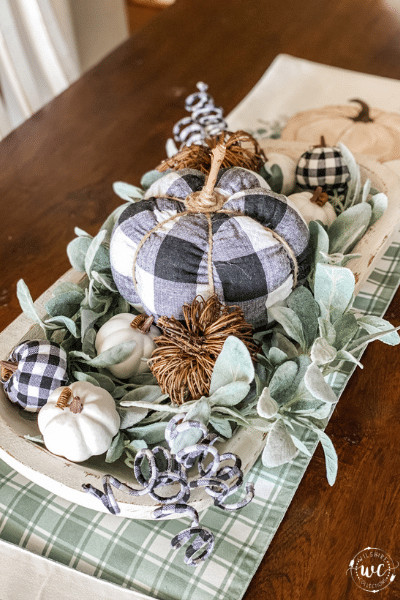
(216, 474)
(205, 120)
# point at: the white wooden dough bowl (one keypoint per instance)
(65, 478)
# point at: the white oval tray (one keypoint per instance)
(65, 478)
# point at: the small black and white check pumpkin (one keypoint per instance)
(322, 166)
(250, 266)
(41, 367)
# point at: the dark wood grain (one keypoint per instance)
(56, 172)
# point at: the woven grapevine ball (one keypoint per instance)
(362, 129)
(323, 166)
(32, 371)
(230, 235)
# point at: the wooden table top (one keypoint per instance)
(56, 172)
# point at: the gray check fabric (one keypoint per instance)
(42, 367)
(324, 167)
(250, 267)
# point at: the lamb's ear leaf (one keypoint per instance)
(322, 353)
(349, 228)
(284, 345)
(66, 304)
(130, 416)
(317, 386)
(287, 377)
(333, 290)
(267, 407)
(274, 177)
(221, 426)
(185, 439)
(354, 185)
(327, 330)
(233, 364)
(149, 178)
(77, 250)
(282, 383)
(199, 411)
(153, 433)
(96, 257)
(276, 356)
(113, 356)
(373, 324)
(300, 445)
(290, 323)
(319, 240)
(26, 302)
(379, 203)
(346, 328)
(144, 393)
(331, 459)
(116, 449)
(279, 448)
(302, 302)
(128, 192)
(63, 322)
(230, 394)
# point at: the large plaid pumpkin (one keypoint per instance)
(322, 166)
(42, 367)
(250, 266)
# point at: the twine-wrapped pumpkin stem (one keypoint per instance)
(207, 200)
(142, 322)
(64, 400)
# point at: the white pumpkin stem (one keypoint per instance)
(76, 405)
(319, 197)
(142, 323)
(7, 369)
(363, 116)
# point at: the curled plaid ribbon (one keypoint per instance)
(205, 120)
(216, 474)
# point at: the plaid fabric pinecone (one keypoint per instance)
(250, 267)
(323, 167)
(42, 367)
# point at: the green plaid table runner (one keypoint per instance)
(137, 554)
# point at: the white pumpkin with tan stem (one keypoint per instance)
(79, 421)
(126, 328)
(314, 206)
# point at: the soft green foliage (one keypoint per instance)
(273, 176)
(285, 393)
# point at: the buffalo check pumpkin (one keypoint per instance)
(250, 267)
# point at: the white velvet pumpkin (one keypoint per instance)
(310, 211)
(288, 169)
(121, 328)
(79, 435)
